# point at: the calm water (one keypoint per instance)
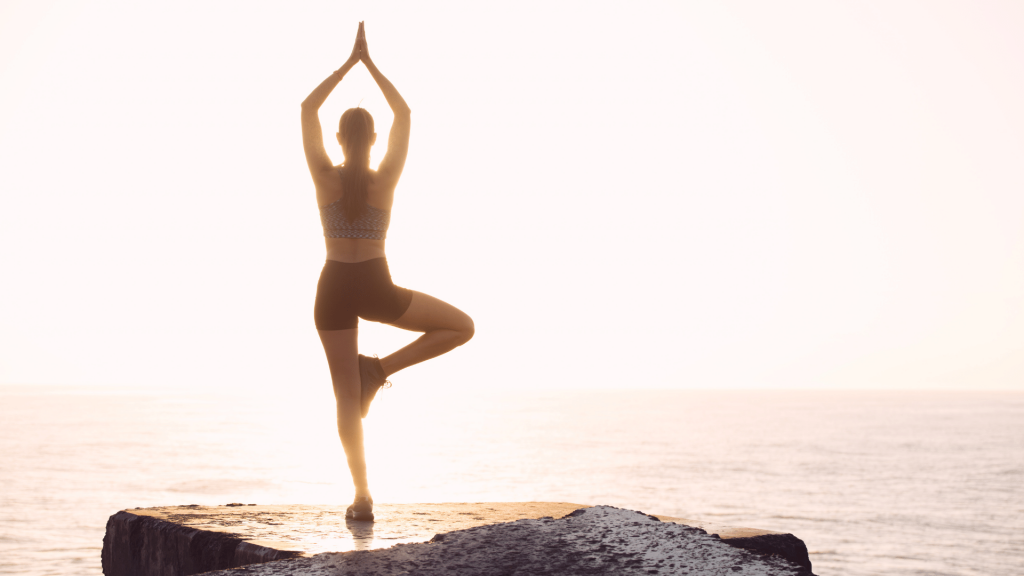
(874, 483)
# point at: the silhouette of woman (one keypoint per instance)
(355, 210)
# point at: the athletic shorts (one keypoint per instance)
(348, 291)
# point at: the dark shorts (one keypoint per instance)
(348, 291)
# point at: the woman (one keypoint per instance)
(355, 210)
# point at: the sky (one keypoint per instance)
(682, 195)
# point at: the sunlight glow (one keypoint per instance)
(748, 196)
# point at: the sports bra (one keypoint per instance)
(371, 225)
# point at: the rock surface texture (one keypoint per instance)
(590, 541)
(482, 538)
(142, 545)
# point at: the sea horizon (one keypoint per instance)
(872, 482)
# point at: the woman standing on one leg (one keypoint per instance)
(355, 210)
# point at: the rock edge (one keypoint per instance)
(134, 545)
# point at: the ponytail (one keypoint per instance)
(356, 129)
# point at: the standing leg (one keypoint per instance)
(341, 347)
(444, 328)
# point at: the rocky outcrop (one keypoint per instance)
(598, 541)
(785, 546)
(460, 538)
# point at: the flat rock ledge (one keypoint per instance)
(433, 539)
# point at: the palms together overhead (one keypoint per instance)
(359, 50)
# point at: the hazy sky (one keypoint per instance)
(634, 194)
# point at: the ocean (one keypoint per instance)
(894, 483)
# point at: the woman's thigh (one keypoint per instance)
(426, 313)
(342, 349)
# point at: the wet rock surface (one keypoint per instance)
(314, 528)
(590, 541)
(184, 540)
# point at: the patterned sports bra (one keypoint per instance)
(371, 225)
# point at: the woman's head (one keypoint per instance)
(356, 136)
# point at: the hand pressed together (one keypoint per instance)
(359, 50)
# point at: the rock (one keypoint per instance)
(406, 539)
(598, 541)
(138, 544)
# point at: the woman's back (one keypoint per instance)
(355, 185)
(354, 238)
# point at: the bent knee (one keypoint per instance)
(466, 330)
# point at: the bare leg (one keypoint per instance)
(444, 328)
(341, 347)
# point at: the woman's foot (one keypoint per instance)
(371, 378)
(360, 509)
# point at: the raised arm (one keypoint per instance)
(319, 162)
(398, 140)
